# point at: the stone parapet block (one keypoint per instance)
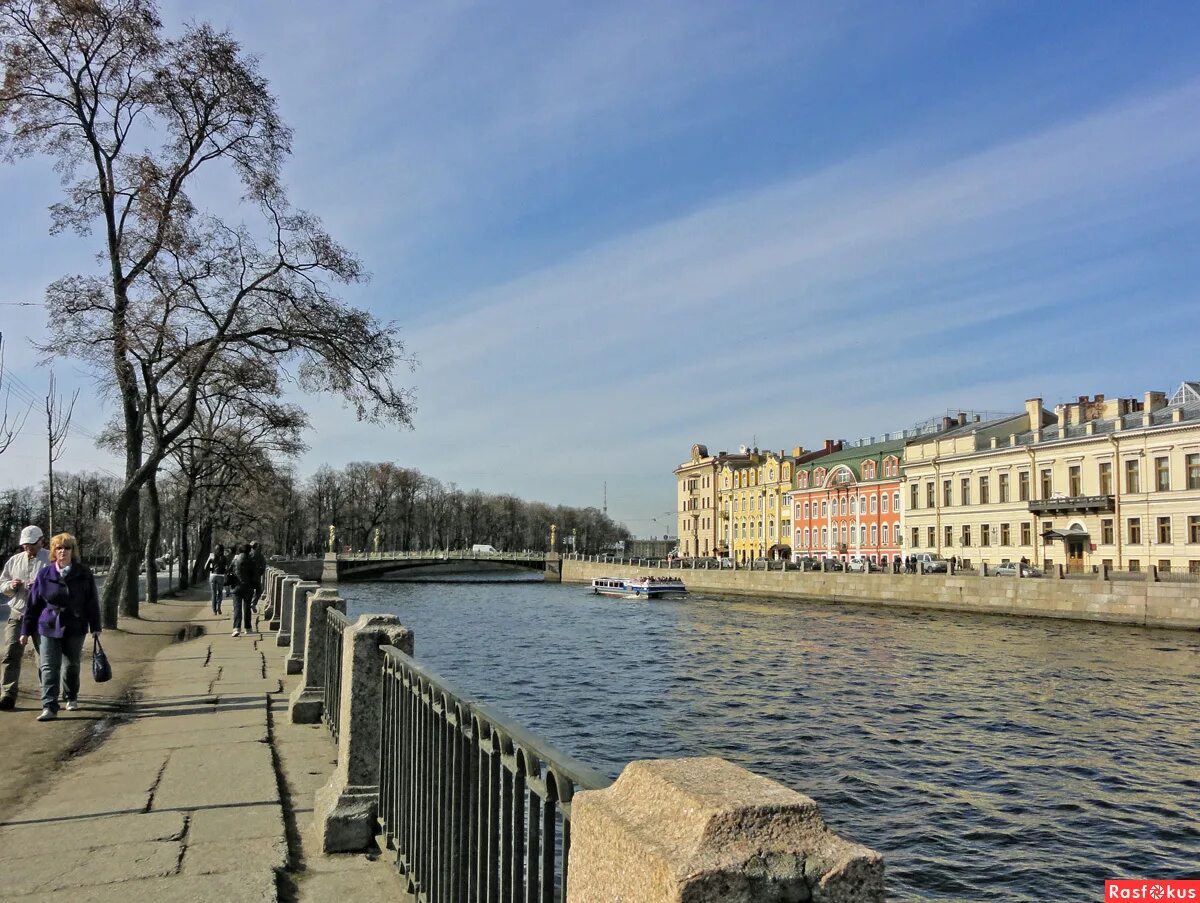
(294, 660)
(307, 702)
(346, 807)
(283, 636)
(704, 830)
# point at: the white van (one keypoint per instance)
(484, 547)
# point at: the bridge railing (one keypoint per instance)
(442, 555)
(475, 807)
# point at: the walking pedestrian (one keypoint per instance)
(260, 571)
(242, 568)
(63, 608)
(217, 566)
(18, 574)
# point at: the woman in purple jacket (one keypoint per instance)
(63, 608)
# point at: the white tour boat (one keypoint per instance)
(639, 587)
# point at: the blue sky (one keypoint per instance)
(612, 230)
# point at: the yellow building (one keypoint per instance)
(696, 500)
(1097, 482)
(754, 516)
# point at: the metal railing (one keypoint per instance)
(442, 555)
(475, 808)
(334, 631)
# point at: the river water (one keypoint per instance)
(987, 758)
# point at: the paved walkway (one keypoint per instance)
(183, 800)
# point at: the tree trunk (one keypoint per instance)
(203, 548)
(185, 528)
(153, 539)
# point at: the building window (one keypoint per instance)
(914, 493)
(1106, 478)
(985, 535)
(1023, 486)
(885, 534)
(1134, 564)
(1075, 481)
(896, 502)
(1132, 483)
(965, 491)
(874, 503)
(1162, 474)
(825, 537)
(853, 506)
(947, 496)
(1047, 483)
(862, 535)
(966, 535)
(1002, 489)
(1135, 531)
(931, 539)
(1193, 471)
(1164, 530)
(844, 539)
(806, 510)
(843, 506)
(1194, 567)
(983, 490)
(929, 499)
(949, 536)
(1106, 531)
(824, 509)
(883, 503)
(916, 537)
(1026, 534)
(1005, 535)
(862, 504)
(1193, 528)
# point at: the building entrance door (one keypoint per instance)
(1075, 547)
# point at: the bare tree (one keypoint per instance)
(58, 427)
(9, 429)
(98, 86)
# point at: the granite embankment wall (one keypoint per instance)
(1142, 603)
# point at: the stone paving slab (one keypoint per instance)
(180, 801)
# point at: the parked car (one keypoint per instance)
(834, 564)
(725, 562)
(932, 564)
(1009, 569)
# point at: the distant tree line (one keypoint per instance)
(239, 493)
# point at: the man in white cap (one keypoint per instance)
(15, 579)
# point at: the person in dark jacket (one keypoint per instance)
(217, 566)
(63, 608)
(260, 571)
(242, 567)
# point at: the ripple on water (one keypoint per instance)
(987, 758)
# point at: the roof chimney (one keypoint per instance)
(1033, 410)
(797, 451)
(947, 422)
(962, 418)
(1153, 401)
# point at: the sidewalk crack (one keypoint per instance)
(207, 656)
(154, 787)
(212, 683)
(183, 842)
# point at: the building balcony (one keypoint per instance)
(1079, 504)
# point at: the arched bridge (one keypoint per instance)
(370, 565)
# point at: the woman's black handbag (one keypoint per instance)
(101, 669)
